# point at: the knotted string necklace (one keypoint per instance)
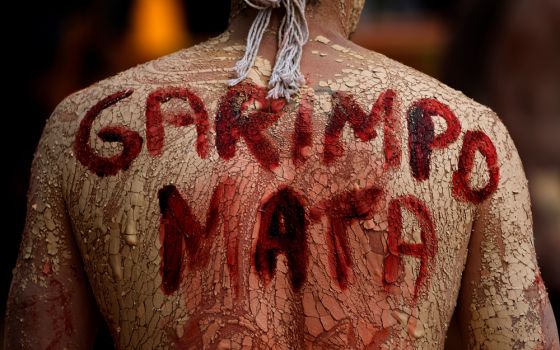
(286, 78)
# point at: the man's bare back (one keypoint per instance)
(357, 215)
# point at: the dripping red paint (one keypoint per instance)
(303, 137)
(183, 233)
(341, 211)
(282, 230)
(231, 124)
(244, 113)
(397, 247)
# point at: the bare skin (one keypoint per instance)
(109, 224)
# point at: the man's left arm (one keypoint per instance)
(50, 305)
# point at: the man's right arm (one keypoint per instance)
(503, 303)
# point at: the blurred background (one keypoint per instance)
(505, 54)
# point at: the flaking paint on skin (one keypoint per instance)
(116, 219)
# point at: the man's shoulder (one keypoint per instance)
(141, 77)
(413, 86)
(180, 68)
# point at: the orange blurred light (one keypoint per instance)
(158, 28)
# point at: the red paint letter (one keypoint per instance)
(131, 140)
(303, 131)
(182, 231)
(282, 230)
(231, 124)
(154, 119)
(341, 211)
(421, 138)
(425, 251)
(475, 141)
(347, 110)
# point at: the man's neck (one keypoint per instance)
(322, 20)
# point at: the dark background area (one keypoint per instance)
(505, 54)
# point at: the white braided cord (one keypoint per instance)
(286, 78)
